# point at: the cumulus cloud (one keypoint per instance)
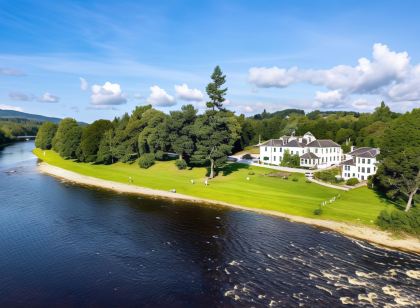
(10, 107)
(6, 71)
(20, 96)
(48, 98)
(388, 74)
(84, 85)
(107, 95)
(329, 99)
(185, 93)
(159, 97)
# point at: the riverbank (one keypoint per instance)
(355, 231)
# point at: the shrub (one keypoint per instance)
(400, 221)
(251, 173)
(318, 211)
(295, 179)
(328, 175)
(181, 164)
(247, 156)
(146, 160)
(352, 181)
(160, 155)
(308, 181)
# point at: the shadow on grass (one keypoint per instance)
(233, 167)
(384, 199)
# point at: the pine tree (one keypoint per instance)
(215, 91)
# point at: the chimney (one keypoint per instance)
(352, 148)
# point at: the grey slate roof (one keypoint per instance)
(323, 143)
(309, 155)
(350, 162)
(294, 144)
(365, 152)
(273, 143)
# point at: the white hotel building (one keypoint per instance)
(313, 153)
(360, 163)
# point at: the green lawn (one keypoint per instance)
(360, 205)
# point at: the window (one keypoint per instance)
(354, 174)
(291, 152)
(274, 149)
(265, 148)
(368, 170)
(363, 178)
(369, 161)
(281, 150)
(363, 161)
(316, 150)
(358, 169)
(363, 169)
(274, 158)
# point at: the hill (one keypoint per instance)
(10, 114)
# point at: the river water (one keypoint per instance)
(66, 245)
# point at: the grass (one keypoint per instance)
(249, 150)
(359, 206)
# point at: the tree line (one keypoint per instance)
(13, 127)
(149, 134)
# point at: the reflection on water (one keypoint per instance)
(61, 244)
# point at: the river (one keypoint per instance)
(66, 245)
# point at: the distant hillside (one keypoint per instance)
(281, 113)
(12, 114)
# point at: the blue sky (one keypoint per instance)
(276, 54)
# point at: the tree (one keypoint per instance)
(215, 91)
(179, 129)
(215, 132)
(398, 174)
(67, 138)
(108, 150)
(45, 135)
(91, 138)
(290, 160)
(154, 134)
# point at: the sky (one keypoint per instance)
(100, 59)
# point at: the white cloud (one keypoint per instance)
(388, 74)
(329, 99)
(11, 72)
(10, 107)
(361, 103)
(159, 97)
(185, 93)
(84, 85)
(107, 94)
(20, 96)
(48, 98)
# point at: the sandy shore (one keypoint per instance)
(372, 235)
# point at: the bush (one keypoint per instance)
(160, 155)
(318, 211)
(247, 156)
(146, 160)
(251, 173)
(295, 179)
(352, 181)
(308, 181)
(181, 164)
(400, 221)
(328, 175)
